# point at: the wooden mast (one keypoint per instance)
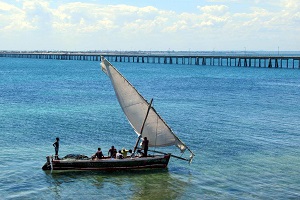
(138, 140)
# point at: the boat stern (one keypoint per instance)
(47, 165)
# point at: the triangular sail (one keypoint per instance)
(135, 107)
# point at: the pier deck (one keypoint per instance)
(251, 60)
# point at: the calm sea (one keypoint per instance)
(242, 123)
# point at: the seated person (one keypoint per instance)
(131, 155)
(124, 152)
(140, 153)
(112, 152)
(98, 154)
(119, 155)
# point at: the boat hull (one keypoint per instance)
(109, 164)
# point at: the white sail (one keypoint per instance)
(135, 107)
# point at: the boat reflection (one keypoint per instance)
(146, 184)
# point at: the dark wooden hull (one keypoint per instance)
(159, 161)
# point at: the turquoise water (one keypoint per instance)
(242, 124)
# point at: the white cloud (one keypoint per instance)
(213, 9)
(6, 7)
(123, 23)
(13, 18)
(221, 1)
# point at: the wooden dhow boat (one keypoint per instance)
(145, 121)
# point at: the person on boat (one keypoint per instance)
(131, 155)
(124, 152)
(119, 155)
(145, 146)
(98, 154)
(56, 148)
(112, 152)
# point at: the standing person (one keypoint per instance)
(112, 152)
(145, 146)
(56, 148)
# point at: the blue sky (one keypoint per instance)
(200, 25)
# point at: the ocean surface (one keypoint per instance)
(243, 124)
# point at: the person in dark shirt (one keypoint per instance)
(98, 154)
(131, 155)
(145, 146)
(112, 152)
(56, 148)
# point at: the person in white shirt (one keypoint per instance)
(119, 155)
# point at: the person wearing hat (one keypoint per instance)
(124, 152)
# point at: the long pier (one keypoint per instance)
(246, 60)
